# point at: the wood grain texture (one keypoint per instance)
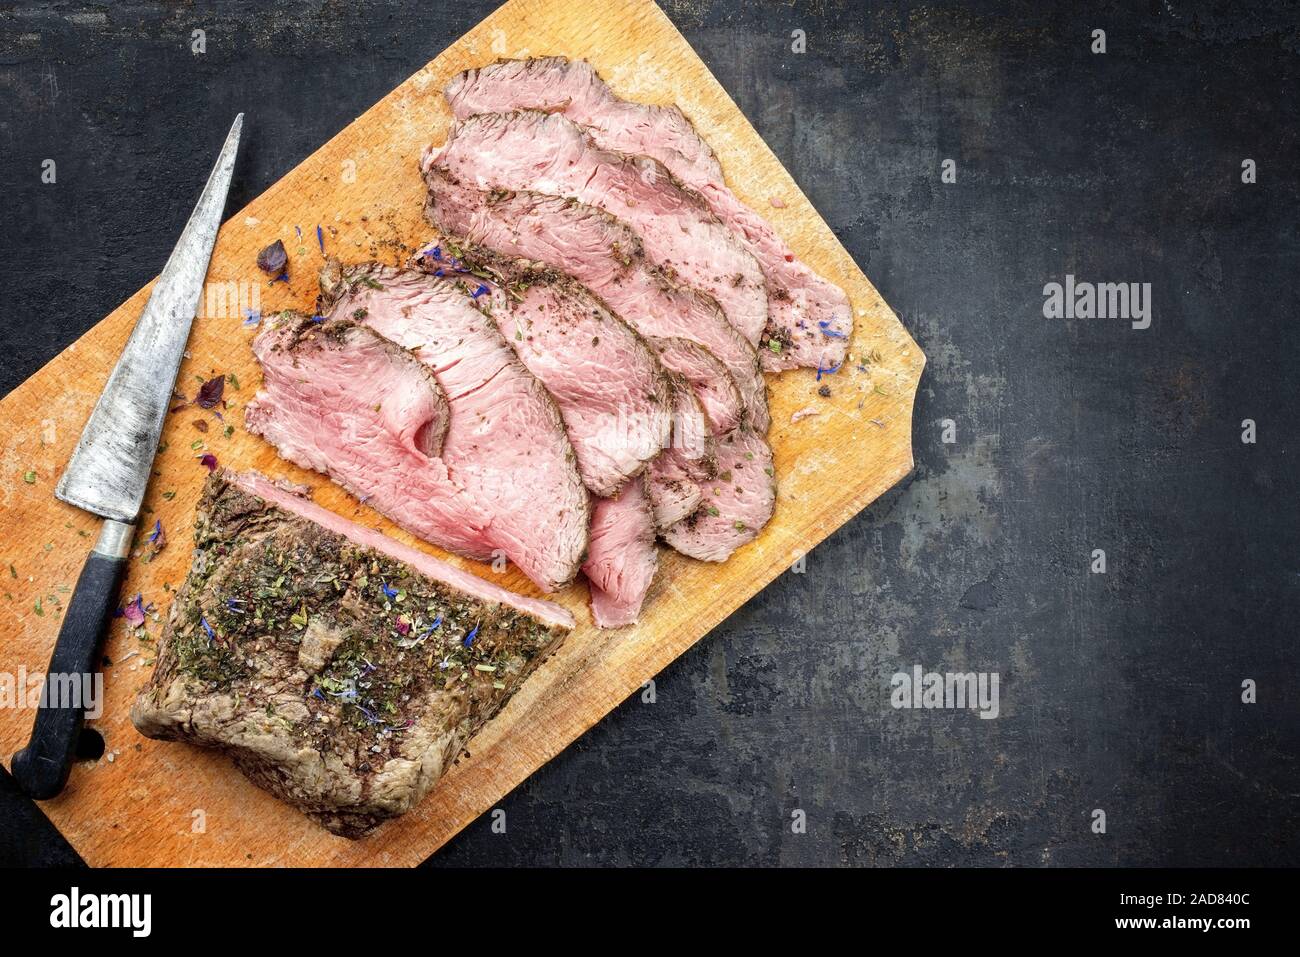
(363, 188)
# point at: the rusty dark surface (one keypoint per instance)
(1119, 691)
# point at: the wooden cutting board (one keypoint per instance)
(157, 803)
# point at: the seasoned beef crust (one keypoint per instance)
(341, 670)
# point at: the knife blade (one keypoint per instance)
(108, 474)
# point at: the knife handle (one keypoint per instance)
(41, 769)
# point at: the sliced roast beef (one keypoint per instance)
(737, 502)
(619, 405)
(809, 320)
(673, 489)
(547, 153)
(342, 671)
(623, 558)
(607, 256)
(707, 377)
(342, 399)
(614, 396)
(559, 85)
(604, 254)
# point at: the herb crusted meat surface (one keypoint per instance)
(342, 671)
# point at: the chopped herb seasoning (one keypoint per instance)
(30, 477)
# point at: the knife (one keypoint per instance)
(108, 474)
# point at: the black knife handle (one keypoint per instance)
(41, 769)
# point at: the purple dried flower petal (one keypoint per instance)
(210, 392)
(134, 612)
(273, 260)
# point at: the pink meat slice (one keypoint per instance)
(616, 400)
(606, 256)
(546, 153)
(620, 407)
(505, 453)
(623, 558)
(810, 319)
(737, 502)
(708, 380)
(341, 400)
(427, 565)
(673, 487)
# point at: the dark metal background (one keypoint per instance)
(1119, 691)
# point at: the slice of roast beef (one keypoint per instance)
(673, 488)
(623, 559)
(341, 670)
(707, 377)
(614, 396)
(810, 319)
(559, 85)
(737, 502)
(605, 255)
(617, 402)
(549, 154)
(340, 398)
